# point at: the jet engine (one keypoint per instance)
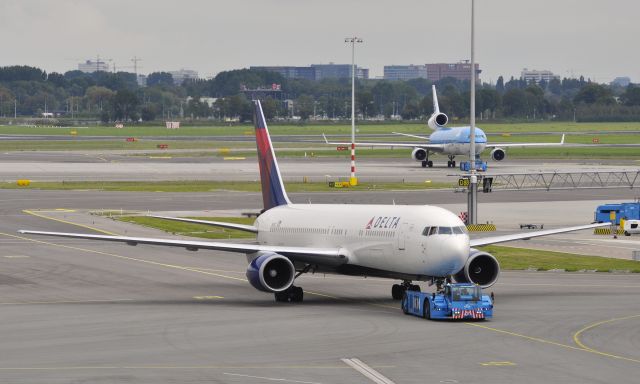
(481, 268)
(271, 272)
(419, 154)
(437, 120)
(498, 154)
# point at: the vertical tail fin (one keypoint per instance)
(436, 108)
(273, 193)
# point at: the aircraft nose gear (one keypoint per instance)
(397, 290)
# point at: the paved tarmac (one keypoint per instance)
(76, 311)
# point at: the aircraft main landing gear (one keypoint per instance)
(427, 163)
(293, 294)
(397, 290)
(451, 163)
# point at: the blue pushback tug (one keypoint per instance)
(457, 301)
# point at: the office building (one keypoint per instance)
(90, 66)
(529, 75)
(405, 72)
(460, 71)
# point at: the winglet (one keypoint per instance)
(562, 140)
(436, 108)
(273, 193)
(325, 138)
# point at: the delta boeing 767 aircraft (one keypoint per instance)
(450, 141)
(406, 243)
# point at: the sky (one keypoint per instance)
(597, 39)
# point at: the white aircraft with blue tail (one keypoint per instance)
(450, 141)
(401, 242)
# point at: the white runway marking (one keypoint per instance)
(270, 378)
(367, 371)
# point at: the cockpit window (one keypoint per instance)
(459, 230)
(444, 230)
(429, 231)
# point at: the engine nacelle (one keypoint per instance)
(498, 154)
(481, 268)
(437, 120)
(419, 154)
(271, 272)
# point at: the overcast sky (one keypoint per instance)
(598, 39)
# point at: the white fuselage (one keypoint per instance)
(385, 238)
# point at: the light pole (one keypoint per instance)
(473, 184)
(353, 180)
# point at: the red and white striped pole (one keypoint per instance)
(353, 180)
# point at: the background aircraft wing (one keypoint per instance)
(222, 224)
(410, 135)
(322, 256)
(527, 235)
(432, 147)
(519, 145)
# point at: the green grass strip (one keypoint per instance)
(195, 230)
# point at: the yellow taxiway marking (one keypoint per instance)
(207, 297)
(576, 337)
(16, 257)
(160, 157)
(498, 364)
(183, 268)
(30, 212)
(544, 341)
(234, 158)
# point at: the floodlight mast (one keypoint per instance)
(353, 180)
(473, 184)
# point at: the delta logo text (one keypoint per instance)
(383, 222)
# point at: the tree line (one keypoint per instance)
(30, 91)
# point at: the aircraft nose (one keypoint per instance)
(457, 250)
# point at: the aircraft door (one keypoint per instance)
(402, 234)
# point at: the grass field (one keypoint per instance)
(207, 186)
(312, 129)
(509, 258)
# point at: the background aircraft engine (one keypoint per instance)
(498, 154)
(419, 154)
(481, 268)
(271, 272)
(438, 121)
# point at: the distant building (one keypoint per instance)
(529, 75)
(405, 72)
(307, 73)
(142, 80)
(184, 74)
(460, 71)
(338, 71)
(316, 71)
(621, 81)
(93, 66)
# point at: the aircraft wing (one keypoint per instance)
(523, 145)
(409, 135)
(323, 256)
(433, 147)
(222, 224)
(527, 235)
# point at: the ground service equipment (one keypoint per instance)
(626, 211)
(481, 166)
(457, 301)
